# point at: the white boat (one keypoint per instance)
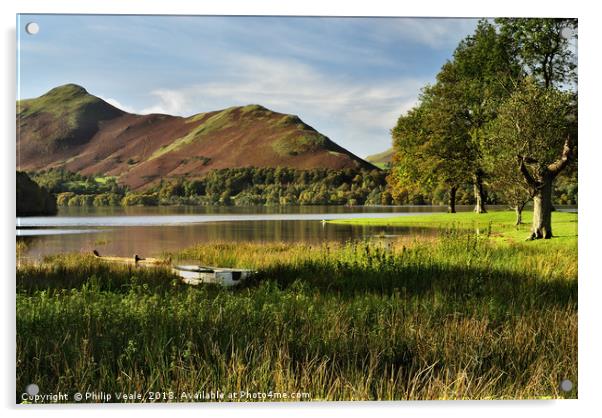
(195, 275)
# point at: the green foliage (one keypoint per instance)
(295, 144)
(431, 149)
(453, 136)
(140, 199)
(81, 200)
(33, 199)
(107, 199)
(73, 189)
(543, 47)
(534, 123)
(59, 180)
(247, 186)
(438, 141)
(252, 186)
(566, 187)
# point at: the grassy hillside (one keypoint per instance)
(71, 129)
(383, 159)
(65, 116)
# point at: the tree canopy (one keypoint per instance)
(502, 113)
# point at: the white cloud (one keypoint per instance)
(356, 114)
(172, 102)
(118, 104)
(438, 33)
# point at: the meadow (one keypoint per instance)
(463, 315)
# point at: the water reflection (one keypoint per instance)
(152, 231)
(153, 240)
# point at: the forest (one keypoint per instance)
(248, 186)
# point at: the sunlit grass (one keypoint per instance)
(499, 224)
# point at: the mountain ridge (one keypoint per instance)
(381, 158)
(70, 128)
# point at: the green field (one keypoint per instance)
(459, 316)
(499, 225)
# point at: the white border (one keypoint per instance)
(590, 150)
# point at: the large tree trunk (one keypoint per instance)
(542, 210)
(541, 189)
(451, 207)
(479, 194)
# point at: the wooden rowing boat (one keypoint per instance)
(189, 274)
(195, 275)
(136, 259)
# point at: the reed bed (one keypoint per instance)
(460, 317)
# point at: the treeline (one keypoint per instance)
(32, 199)
(565, 193)
(74, 189)
(501, 118)
(232, 186)
(279, 186)
(265, 186)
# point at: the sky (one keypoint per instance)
(349, 78)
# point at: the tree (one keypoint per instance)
(430, 147)
(543, 47)
(476, 81)
(505, 179)
(539, 126)
(33, 199)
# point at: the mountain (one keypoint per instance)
(381, 159)
(70, 128)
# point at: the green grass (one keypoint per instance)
(382, 166)
(68, 102)
(64, 100)
(103, 179)
(500, 224)
(299, 142)
(381, 157)
(74, 114)
(463, 316)
(220, 120)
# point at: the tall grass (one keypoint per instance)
(457, 318)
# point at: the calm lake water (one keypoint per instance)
(149, 231)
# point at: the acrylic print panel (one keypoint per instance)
(295, 209)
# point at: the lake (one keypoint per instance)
(149, 231)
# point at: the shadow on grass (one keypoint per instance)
(423, 276)
(461, 283)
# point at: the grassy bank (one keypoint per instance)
(459, 317)
(498, 224)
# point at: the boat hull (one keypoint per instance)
(196, 275)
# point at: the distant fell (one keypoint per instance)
(381, 159)
(70, 128)
(65, 116)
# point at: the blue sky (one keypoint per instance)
(350, 78)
